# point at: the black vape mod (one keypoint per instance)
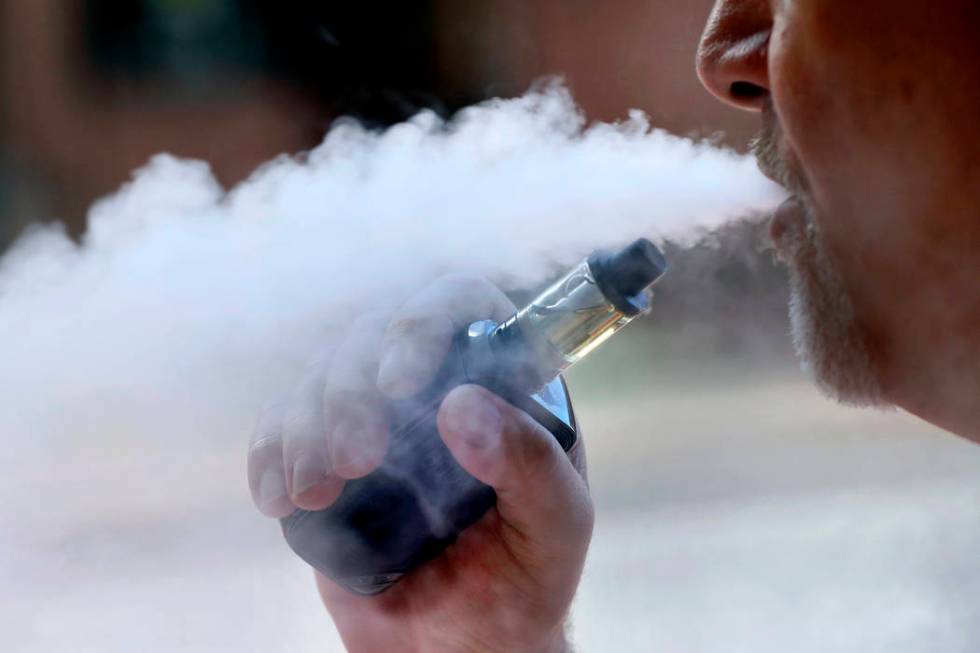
(418, 501)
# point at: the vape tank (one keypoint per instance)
(418, 501)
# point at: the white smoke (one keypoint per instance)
(185, 307)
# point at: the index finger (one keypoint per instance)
(421, 331)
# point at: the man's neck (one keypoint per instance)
(943, 389)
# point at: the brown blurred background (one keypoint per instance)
(92, 88)
(737, 509)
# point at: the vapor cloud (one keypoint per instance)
(186, 306)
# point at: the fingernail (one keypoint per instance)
(272, 487)
(308, 471)
(476, 420)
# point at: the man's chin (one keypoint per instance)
(832, 354)
(829, 341)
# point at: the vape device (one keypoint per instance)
(418, 501)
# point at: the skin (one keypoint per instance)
(868, 108)
(871, 107)
(507, 583)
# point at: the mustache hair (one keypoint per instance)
(766, 149)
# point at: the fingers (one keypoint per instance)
(266, 476)
(540, 494)
(422, 330)
(309, 477)
(334, 426)
(355, 418)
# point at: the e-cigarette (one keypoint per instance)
(419, 500)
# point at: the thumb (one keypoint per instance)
(540, 494)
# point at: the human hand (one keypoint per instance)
(506, 584)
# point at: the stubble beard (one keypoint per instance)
(829, 340)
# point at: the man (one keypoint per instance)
(868, 111)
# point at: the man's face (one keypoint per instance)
(869, 115)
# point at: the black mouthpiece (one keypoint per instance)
(623, 275)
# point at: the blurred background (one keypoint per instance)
(737, 510)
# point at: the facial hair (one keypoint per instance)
(828, 338)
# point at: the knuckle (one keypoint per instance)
(352, 373)
(298, 431)
(420, 328)
(405, 325)
(347, 406)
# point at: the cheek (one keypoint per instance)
(816, 114)
(862, 104)
(879, 112)
(874, 97)
(849, 187)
